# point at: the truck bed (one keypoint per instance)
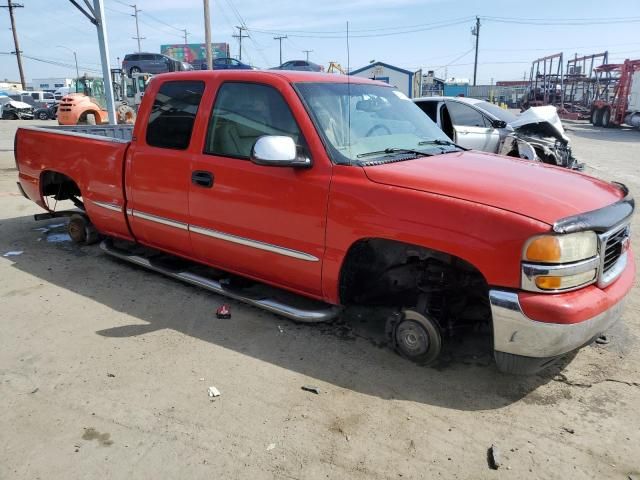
(88, 156)
(119, 133)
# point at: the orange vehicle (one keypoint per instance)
(86, 105)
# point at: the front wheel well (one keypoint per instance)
(397, 274)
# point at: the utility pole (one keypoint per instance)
(240, 36)
(476, 31)
(307, 52)
(137, 37)
(280, 38)
(10, 6)
(207, 34)
(186, 34)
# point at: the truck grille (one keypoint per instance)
(613, 249)
(612, 246)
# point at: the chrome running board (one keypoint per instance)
(315, 312)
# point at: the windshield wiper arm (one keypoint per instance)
(393, 150)
(445, 143)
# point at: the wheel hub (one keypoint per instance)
(411, 338)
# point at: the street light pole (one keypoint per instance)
(103, 44)
(75, 58)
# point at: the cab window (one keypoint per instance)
(243, 112)
(173, 114)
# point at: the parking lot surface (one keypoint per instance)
(104, 372)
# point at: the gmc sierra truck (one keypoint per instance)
(331, 191)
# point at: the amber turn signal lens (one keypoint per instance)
(549, 283)
(544, 249)
(555, 282)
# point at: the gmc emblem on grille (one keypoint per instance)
(626, 241)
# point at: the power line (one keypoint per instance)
(562, 21)
(54, 62)
(152, 17)
(384, 34)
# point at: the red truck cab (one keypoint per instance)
(340, 190)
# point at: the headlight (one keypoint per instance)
(552, 263)
(561, 248)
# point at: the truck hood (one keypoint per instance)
(533, 189)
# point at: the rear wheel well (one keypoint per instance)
(386, 272)
(60, 187)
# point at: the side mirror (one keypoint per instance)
(277, 151)
(499, 124)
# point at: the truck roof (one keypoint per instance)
(292, 76)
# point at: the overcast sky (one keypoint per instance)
(412, 34)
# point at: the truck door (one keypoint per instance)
(260, 221)
(471, 128)
(158, 174)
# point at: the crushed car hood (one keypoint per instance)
(545, 118)
(17, 104)
(533, 189)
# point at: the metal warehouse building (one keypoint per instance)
(407, 82)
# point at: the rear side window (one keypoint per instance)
(430, 108)
(131, 58)
(173, 114)
(242, 113)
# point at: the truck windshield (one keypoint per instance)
(361, 121)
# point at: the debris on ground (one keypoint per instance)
(271, 446)
(569, 430)
(223, 311)
(311, 388)
(602, 340)
(280, 329)
(13, 253)
(58, 237)
(494, 458)
(213, 392)
(111, 375)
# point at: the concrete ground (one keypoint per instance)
(104, 371)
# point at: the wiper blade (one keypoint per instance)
(393, 150)
(445, 143)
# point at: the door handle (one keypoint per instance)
(202, 178)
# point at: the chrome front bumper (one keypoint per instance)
(517, 334)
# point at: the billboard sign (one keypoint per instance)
(194, 53)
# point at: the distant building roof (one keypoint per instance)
(512, 83)
(381, 64)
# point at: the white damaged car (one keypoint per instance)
(536, 134)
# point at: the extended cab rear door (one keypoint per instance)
(260, 221)
(158, 171)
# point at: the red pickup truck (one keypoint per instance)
(335, 191)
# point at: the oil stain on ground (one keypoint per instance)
(103, 439)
